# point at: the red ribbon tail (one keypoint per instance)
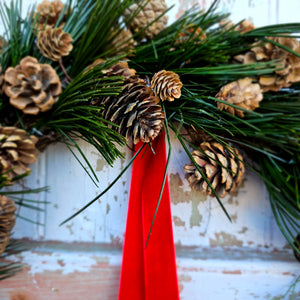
(149, 273)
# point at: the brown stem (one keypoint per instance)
(64, 70)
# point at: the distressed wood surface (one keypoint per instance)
(245, 259)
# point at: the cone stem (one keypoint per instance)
(64, 70)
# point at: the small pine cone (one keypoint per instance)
(223, 168)
(242, 93)
(288, 70)
(119, 69)
(3, 43)
(48, 13)
(193, 33)
(243, 27)
(32, 87)
(135, 110)
(123, 42)
(54, 43)
(17, 151)
(166, 85)
(153, 10)
(7, 220)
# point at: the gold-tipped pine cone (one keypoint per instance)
(17, 151)
(166, 85)
(222, 167)
(288, 71)
(242, 93)
(54, 43)
(32, 87)
(135, 111)
(48, 13)
(7, 220)
(147, 15)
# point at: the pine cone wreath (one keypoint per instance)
(7, 220)
(48, 13)
(135, 111)
(32, 87)
(54, 43)
(152, 11)
(166, 85)
(223, 169)
(242, 93)
(17, 151)
(288, 70)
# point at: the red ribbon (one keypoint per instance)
(149, 273)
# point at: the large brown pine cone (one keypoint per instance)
(166, 85)
(7, 220)
(288, 67)
(17, 151)
(135, 110)
(54, 43)
(242, 93)
(48, 13)
(32, 87)
(153, 10)
(223, 168)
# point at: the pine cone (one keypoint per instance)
(242, 93)
(123, 42)
(243, 27)
(7, 220)
(3, 43)
(54, 43)
(166, 85)
(222, 168)
(289, 63)
(153, 10)
(17, 151)
(48, 13)
(192, 33)
(32, 87)
(119, 69)
(135, 110)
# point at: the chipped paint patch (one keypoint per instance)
(225, 240)
(107, 208)
(177, 221)
(64, 262)
(100, 164)
(196, 217)
(179, 193)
